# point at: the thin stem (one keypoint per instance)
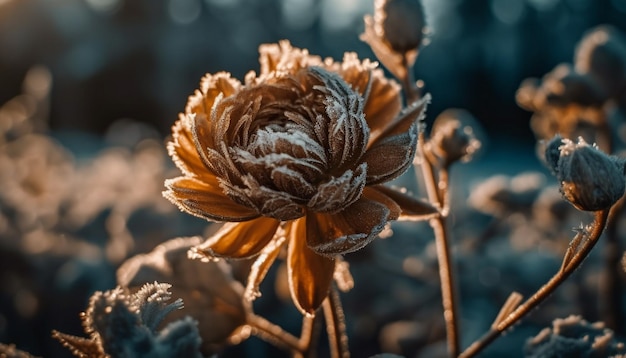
(273, 334)
(613, 294)
(437, 194)
(306, 338)
(408, 83)
(544, 291)
(336, 325)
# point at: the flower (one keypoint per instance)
(295, 155)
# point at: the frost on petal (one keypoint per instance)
(283, 57)
(206, 200)
(346, 231)
(310, 274)
(239, 240)
(270, 202)
(348, 133)
(338, 193)
(391, 156)
(212, 86)
(183, 150)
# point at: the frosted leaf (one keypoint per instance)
(122, 324)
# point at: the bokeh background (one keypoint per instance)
(140, 59)
(78, 200)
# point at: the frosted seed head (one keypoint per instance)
(590, 179)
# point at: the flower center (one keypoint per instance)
(301, 139)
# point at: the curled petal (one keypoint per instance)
(182, 148)
(211, 86)
(346, 231)
(391, 156)
(310, 274)
(205, 199)
(413, 209)
(238, 240)
(282, 57)
(261, 266)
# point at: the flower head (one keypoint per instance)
(295, 155)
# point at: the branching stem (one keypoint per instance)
(543, 292)
(437, 189)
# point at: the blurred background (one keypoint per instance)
(140, 59)
(89, 90)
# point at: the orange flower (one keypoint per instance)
(295, 155)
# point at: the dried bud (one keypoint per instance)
(400, 23)
(590, 179)
(395, 33)
(602, 54)
(563, 86)
(451, 138)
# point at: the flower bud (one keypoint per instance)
(451, 139)
(590, 179)
(402, 23)
(602, 54)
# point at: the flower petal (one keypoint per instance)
(382, 103)
(238, 240)
(412, 114)
(284, 57)
(183, 150)
(205, 199)
(310, 275)
(346, 231)
(391, 156)
(372, 193)
(211, 86)
(261, 266)
(413, 209)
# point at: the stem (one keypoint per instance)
(336, 325)
(544, 291)
(438, 194)
(273, 334)
(613, 285)
(408, 83)
(306, 338)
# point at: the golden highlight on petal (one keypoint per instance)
(206, 200)
(310, 275)
(239, 240)
(183, 150)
